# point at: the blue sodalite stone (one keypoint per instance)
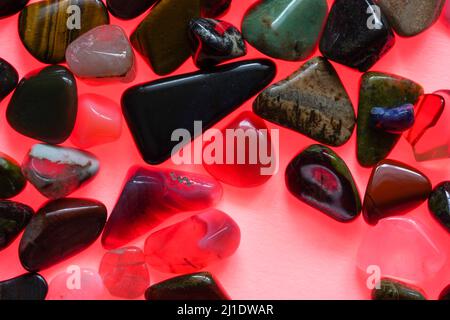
(393, 120)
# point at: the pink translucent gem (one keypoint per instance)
(403, 249)
(124, 272)
(99, 121)
(194, 243)
(76, 284)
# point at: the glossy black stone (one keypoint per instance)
(10, 7)
(30, 286)
(439, 204)
(154, 110)
(8, 78)
(44, 105)
(14, 217)
(354, 37)
(128, 9)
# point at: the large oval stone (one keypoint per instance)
(312, 101)
(12, 181)
(439, 204)
(10, 7)
(14, 217)
(8, 78)
(59, 230)
(320, 178)
(128, 9)
(285, 29)
(30, 286)
(50, 114)
(47, 27)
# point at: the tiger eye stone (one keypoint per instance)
(47, 27)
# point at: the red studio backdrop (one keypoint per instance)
(288, 249)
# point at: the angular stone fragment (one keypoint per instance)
(396, 290)
(12, 181)
(30, 286)
(8, 78)
(14, 217)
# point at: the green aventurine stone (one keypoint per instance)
(12, 180)
(381, 90)
(285, 29)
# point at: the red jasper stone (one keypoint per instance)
(193, 243)
(150, 196)
(253, 162)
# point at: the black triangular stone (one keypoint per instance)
(154, 110)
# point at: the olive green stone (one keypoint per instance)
(396, 290)
(285, 29)
(381, 90)
(12, 180)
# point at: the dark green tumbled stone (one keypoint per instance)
(8, 78)
(14, 217)
(195, 286)
(439, 204)
(30, 286)
(12, 181)
(396, 290)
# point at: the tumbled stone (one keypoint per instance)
(10, 7)
(356, 34)
(150, 196)
(393, 120)
(162, 37)
(47, 27)
(56, 171)
(8, 78)
(320, 178)
(206, 237)
(411, 17)
(395, 290)
(14, 217)
(103, 52)
(177, 102)
(253, 161)
(312, 101)
(403, 248)
(129, 9)
(394, 189)
(12, 181)
(285, 29)
(30, 286)
(50, 115)
(389, 91)
(430, 135)
(124, 272)
(194, 286)
(439, 204)
(445, 294)
(59, 230)
(76, 284)
(99, 121)
(214, 8)
(214, 41)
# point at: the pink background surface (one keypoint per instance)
(288, 250)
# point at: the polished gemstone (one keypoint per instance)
(430, 136)
(156, 109)
(239, 161)
(393, 120)
(76, 284)
(312, 101)
(30, 286)
(103, 52)
(50, 115)
(356, 34)
(285, 29)
(59, 230)
(56, 171)
(320, 178)
(10, 7)
(206, 237)
(150, 196)
(214, 8)
(162, 38)
(445, 294)
(439, 204)
(411, 17)
(47, 27)
(128, 9)
(389, 91)
(214, 41)
(12, 181)
(124, 272)
(8, 78)
(395, 290)
(194, 286)
(99, 121)
(403, 248)
(394, 189)
(14, 217)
